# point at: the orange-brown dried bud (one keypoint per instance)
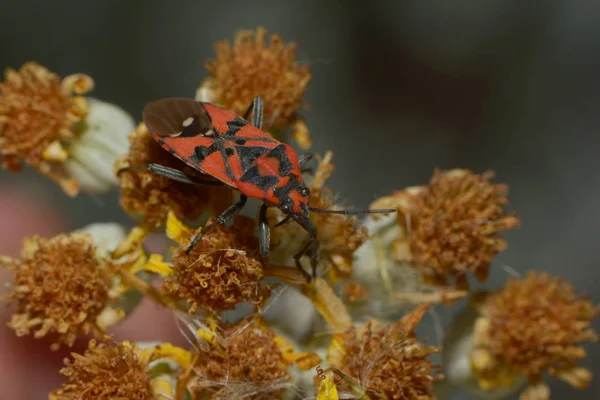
(451, 225)
(224, 269)
(60, 287)
(533, 326)
(388, 361)
(105, 371)
(250, 68)
(245, 361)
(339, 235)
(38, 111)
(153, 196)
(354, 292)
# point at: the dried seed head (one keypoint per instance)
(38, 114)
(222, 271)
(387, 361)
(534, 326)
(452, 224)
(106, 370)
(250, 68)
(245, 362)
(339, 235)
(153, 196)
(60, 287)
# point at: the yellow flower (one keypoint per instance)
(48, 124)
(250, 68)
(451, 226)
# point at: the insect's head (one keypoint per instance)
(295, 201)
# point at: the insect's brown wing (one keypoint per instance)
(176, 117)
(184, 128)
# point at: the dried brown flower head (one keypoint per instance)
(250, 68)
(388, 362)
(106, 370)
(533, 326)
(153, 196)
(245, 361)
(60, 287)
(39, 113)
(222, 271)
(339, 236)
(452, 225)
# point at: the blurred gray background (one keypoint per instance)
(399, 88)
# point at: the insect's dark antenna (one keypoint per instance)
(350, 212)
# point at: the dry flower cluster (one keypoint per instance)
(83, 283)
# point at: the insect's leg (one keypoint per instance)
(304, 159)
(310, 246)
(297, 258)
(225, 216)
(257, 112)
(170, 173)
(264, 233)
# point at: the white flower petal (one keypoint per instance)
(293, 312)
(92, 157)
(87, 180)
(106, 235)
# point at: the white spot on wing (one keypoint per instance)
(175, 134)
(188, 121)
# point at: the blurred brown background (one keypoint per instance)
(399, 88)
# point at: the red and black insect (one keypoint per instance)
(238, 154)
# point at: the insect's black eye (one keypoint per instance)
(304, 192)
(286, 207)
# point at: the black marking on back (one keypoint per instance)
(235, 125)
(264, 182)
(241, 140)
(248, 155)
(224, 153)
(283, 192)
(201, 152)
(285, 165)
(229, 151)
